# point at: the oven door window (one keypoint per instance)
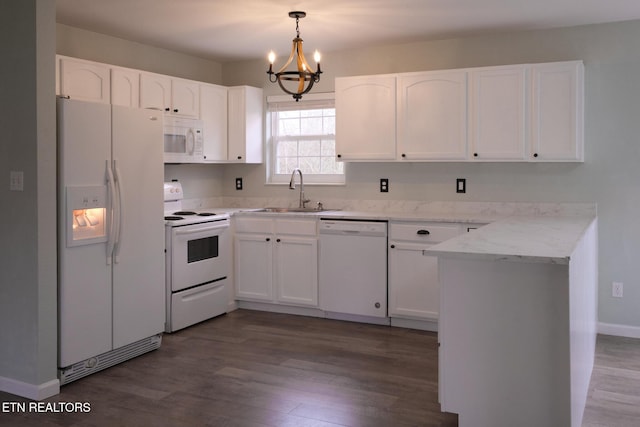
(201, 249)
(175, 143)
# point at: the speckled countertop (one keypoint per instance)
(549, 240)
(544, 233)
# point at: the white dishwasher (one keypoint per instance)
(353, 268)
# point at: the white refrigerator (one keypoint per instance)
(111, 235)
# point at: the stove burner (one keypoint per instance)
(172, 218)
(184, 213)
(206, 214)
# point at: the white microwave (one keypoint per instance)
(183, 140)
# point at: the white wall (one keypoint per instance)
(610, 175)
(116, 51)
(28, 286)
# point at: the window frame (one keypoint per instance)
(282, 103)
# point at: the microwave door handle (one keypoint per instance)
(181, 232)
(119, 212)
(191, 141)
(113, 208)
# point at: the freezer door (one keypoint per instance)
(84, 294)
(138, 269)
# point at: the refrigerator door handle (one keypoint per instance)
(112, 216)
(119, 212)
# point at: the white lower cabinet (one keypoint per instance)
(413, 276)
(276, 260)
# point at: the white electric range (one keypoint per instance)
(197, 262)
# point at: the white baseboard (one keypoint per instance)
(619, 330)
(30, 391)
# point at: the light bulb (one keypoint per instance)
(316, 56)
(272, 57)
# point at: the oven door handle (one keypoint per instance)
(183, 232)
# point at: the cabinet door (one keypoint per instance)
(557, 111)
(497, 108)
(245, 113)
(125, 87)
(413, 282)
(213, 112)
(185, 98)
(253, 267)
(85, 80)
(155, 91)
(432, 116)
(296, 264)
(366, 118)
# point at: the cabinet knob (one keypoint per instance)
(404, 155)
(535, 154)
(278, 240)
(239, 157)
(268, 239)
(475, 154)
(175, 110)
(377, 305)
(167, 109)
(339, 155)
(393, 246)
(423, 232)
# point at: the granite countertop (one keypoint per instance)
(543, 239)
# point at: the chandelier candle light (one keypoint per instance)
(303, 75)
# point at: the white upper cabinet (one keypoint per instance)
(366, 118)
(185, 98)
(557, 92)
(125, 87)
(174, 96)
(245, 131)
(84, 80)
(432, 115)
(498, 113)
(155, 92)
(213, 112)
(529, 112)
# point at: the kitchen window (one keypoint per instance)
(303, 135)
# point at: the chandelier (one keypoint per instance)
(303, 77)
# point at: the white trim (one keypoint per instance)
(30, 391)
(308, 97)
(619, 330)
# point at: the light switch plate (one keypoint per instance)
(16, 181)
(461, 185)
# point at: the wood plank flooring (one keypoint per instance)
(256, 369)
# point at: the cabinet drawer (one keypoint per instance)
(299, 227)
(254, 225)
(423, 232)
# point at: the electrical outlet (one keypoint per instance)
(238, 183)
(461, 185)
(617, 289)
(384, 185)
(16, 181)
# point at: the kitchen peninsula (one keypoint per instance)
(517, 326)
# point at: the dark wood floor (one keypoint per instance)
(252, 369)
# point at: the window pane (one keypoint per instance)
(287, 148)
(289, 127)
(309, 148)
(304, 139)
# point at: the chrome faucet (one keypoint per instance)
(292, 186)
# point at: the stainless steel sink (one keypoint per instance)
(285, 210)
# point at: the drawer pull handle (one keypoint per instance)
(423, 232)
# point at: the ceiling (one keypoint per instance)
(232, 30)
